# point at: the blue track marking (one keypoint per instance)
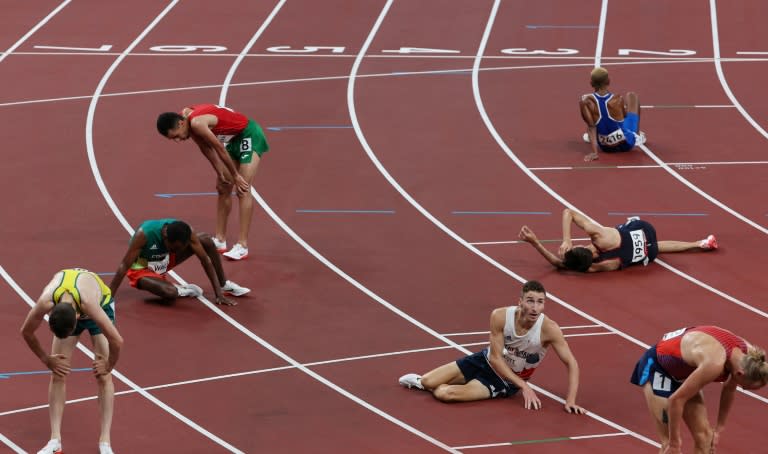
(539, 27)
(283, 128)
(37, 372)
(546, 213)
(347, 211)
(619, 213)
(185, 194)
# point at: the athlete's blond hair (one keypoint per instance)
(599, 78)
(755, 367)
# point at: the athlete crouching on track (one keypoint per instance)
(674, 371)
(611, 248)
(77, 300)
(159, 245)
(520, 337)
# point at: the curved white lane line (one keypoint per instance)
(721, 74)
(556, 196)
(601, 33)
(566, 203)
(32, 31)
(242, 54)
(121, 218)
(364, 143)
(122, 377)
(7, 441)
(216, 309)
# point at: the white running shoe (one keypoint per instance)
(221, 246)
(234, 289)
(188, 290)
(238, 252)
(709, 243)
(53, 447)
(640, 139)
(411, 381)
(105, 448)
(585, 137)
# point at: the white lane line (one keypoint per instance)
(121, 218)
(558, 197)
(233, 322)
(122, 377)
(338, 389)
(374, 159)
(601, 33)
(242, 54)
(721, 75)
(259, 372)
(544, 440)
(684, 165)
(324, 78)
(7, 441)
(32, 31)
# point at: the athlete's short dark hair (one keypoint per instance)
(62, 320)
(533, 286)
(178, 231)
(167, 121)
(578, 259)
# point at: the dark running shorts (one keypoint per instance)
(476, 367)
(649, 370)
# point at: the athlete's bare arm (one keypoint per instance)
(527, 235)
(134, 249)
(205, 261)
(589, 114)
(552, 335)
(90, 305)
(58, 364)
(602, 237)
(201, 130)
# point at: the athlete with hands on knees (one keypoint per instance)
(673, 373)
(76, 300)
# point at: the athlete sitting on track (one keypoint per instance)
(674, 371)
(613, 125)
(212, 128)
(520, 337)
(161, 244)
(77, 300)
(612, 248)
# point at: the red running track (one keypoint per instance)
(344, 303)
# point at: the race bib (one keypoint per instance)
(159, 266)
(225, 139)
(673, 334)
(246, 145)
(639, 246)
(612, 139)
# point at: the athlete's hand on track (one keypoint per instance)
(574, 409)
(100, 365)
(527, 235)
(565, 247)
(58, 364)
(591, 157)
(531, 399)
(224, 301)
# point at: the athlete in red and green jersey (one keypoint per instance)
(228, 140)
